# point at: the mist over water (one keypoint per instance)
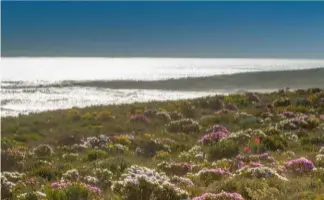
(39, 84)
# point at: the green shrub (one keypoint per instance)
(183, 125)
(96, 154)
(223, 149)
(116, 165)
(273, 143)
(49, 173)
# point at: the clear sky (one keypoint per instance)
(163, 29)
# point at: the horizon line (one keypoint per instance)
(162, 57)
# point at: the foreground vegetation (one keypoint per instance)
(251, 146)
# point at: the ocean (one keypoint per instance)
(38, 84)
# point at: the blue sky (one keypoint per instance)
(163, 29)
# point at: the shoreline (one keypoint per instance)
(211, 93)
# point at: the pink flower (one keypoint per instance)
(300, 165)
(256, 164)
(264, 155)
(139, 117)
(321, 117)
(213, 137)
(256, 140)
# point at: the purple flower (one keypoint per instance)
(300, 165)
(255, 164)
(263, 155)
(213, 137)
(94, 189)
(288, 114)
(219, 128)
(139, 117)
(60, 184)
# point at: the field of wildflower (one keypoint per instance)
(254, 146)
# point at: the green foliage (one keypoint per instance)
(273, 143)
(96, 154)
(223, 149)
(47, 172)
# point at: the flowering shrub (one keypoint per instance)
(150, 112)
(6, 188)
(266, 114)
(321, 151)
(212, 137)
(72, 174)
(299, 166)
(72, 190)
(179, 169)
(239, 136)
(95, 142)
(318, 173)
(43, 150)
(221, 111)
(104, 177)
(91, 180)
(259, 171)
(181, 182)
(288, 114)
(290, 154)
(194, 154)
(139, 118)
(13, 176)
(220, 196)
(223, 163)
(176, 115)
(183, 125)
(302, 121)
(31, 195)
(12, 158)
(217, 128)
(70, 156)
(210, 175)
(282, 102)
(143, 183)
(215, 134)
(319, 160)
(245, 135)
(117, 148)
(215, 103)
(163, 115)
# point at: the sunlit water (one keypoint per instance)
(34, 77)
